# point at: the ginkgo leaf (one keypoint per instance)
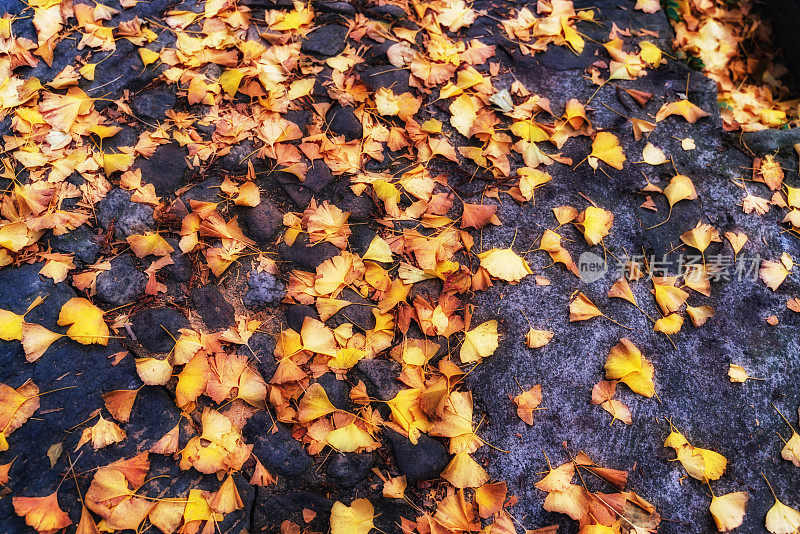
(478, 215)
(603, 393)
(668, 297)
(736, 373)
(395, 488)
(538, 338)
(626, 364)
(154, 371)
(11, 324)
(791, 449)
(226, 499)
(147, 56)
(149, 243)
(729, 510)
(351, 438)
(782, 519)
(119, 403)
(86, 320)
(527, 402)
(582, 309)
(314, 404)
(36, 339)
(699, 315)
(353, 519)
(248, 195)
(650, 53)
(702, 464)
(102, 434)
(574, 501)
(670, 324)
(378, 250)
(463, 114)
(684, 108)
(773, 273)
(480, 342)
(680, 187)
(42, 513)
(771, 173)
(16, 406)
(168, 444)
(621, 289)
(505, 264)
(464, 472)
(595, 223)
(701, 236)
(737, 240)
(605, 147)
(490, 498)
(653, 155)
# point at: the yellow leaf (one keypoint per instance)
(149, 243)
(86, 320)
(154, 371)
(671, 324)
(42, 513)
(679, 188)
(480, 342)
(605, 147)
(505, 264)
(378, 250)
(702, 464)
(118, 162)
(119, 403)
(736, 373)
(249, 195)
(464, 472)
(36, 339)
(395, 488)
(529, 131)
(314, 404)
(773, 273)
(463, 113)
(701, 236)
(653, 155)
(582, 309)
(626, 364)
(622, 290)
(226, 499)
(353, 519)
(148, 56)
(650, 53)
(791, 450)
(230, 80)
(102, 434)
(350, 438)
(538, 338)
(595, 223)
(699, 315)
(104, 131)
(668, 297)
(10, 326)
(782, 519)
(684, 108)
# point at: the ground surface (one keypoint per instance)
(693, 390)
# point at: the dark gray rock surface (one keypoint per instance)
(216, 312)
(327, 40)
(122, 284)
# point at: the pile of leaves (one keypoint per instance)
(732, 44)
